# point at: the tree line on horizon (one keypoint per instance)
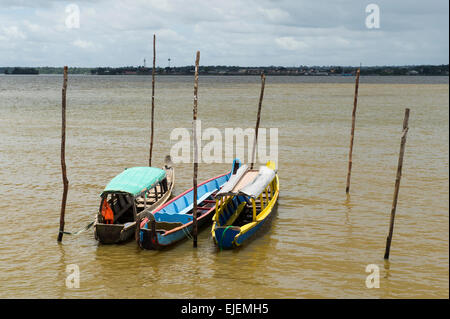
(239, 70)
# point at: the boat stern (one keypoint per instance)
(108, 233)
(147, 239)
(225, 236)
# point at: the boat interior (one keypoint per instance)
(181, 209)
(122, 203)
(239, 211)
(185, 216)
(236, 208)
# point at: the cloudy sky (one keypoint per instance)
(227, 32)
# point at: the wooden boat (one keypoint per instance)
(244, 204)
(172, 222)
(128, 196)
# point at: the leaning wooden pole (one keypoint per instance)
(194, 136)
(397, 183)
(153, 102)
(261, 95)
(63, 158)
(355, 103)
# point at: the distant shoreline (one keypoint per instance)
(413, 70)
(231, 75)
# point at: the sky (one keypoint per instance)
(286, 33)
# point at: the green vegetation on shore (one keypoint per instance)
(238, 70)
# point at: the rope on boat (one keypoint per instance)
(186, 232)
(223, 235)
(80, 231)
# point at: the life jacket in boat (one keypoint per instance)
(107, 213)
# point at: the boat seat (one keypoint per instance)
(200, 200)
(188, 208)
(172, 218)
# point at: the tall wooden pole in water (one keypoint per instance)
(153, 101)
(261, 95)
(194, 136)
(63, 158)
(355, 103)
(397, 183)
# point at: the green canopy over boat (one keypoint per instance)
(135, 180)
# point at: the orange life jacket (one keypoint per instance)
(107, 213)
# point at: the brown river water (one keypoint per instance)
(319, 241)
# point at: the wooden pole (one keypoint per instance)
(261, 95)
(397, 183)
(194, 135)
(63, 158)
(153, 101)
(355, 103)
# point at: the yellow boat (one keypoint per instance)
(244, 204)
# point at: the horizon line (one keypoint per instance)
(239, 66)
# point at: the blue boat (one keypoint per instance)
(173, 221)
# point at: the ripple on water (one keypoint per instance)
(317, 245)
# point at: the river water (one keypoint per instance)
(319, 242)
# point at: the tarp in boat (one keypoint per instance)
(248, 182)
(135, 180)
(259, 184)
(227, 188)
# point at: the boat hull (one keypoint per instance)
(151, 237)
(160, 241)
(228, 237)
(253, 231)
(114, 233)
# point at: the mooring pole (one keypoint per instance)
(63, 158)
(397, 183)
(261, 95)
(194, 136)
(355, 103)
(153, 101)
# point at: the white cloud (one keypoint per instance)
(83, 44)
(12, 33)
(289, 43)
(275, 14)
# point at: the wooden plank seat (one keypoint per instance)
(174, 218)
(188, 209)
(149, 201)
(143, 205)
